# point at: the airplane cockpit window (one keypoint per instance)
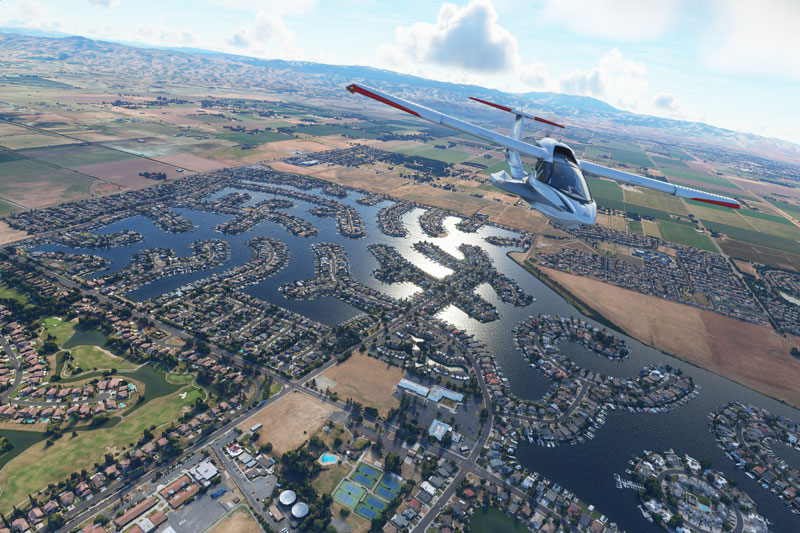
(567, 178)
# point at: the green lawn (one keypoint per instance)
(60, 329)
(92, 357)
(12, 293)
(38, 466)
(685, 235)
(329, 478)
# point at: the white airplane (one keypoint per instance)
(556, 187)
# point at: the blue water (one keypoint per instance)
(586, 469)
(328, 459)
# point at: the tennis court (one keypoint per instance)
(366, 512)
(349, 494)
(384, 493)
(375, 503)
(391, 483)
(366, 475)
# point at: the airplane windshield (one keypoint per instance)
(567, 178)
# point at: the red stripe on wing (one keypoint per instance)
(718, 202)
(548, 122)
(360, 90)
(498, 106)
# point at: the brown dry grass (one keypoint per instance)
(366, 380)
(289, 421)
(239, 521)
(753, 355)
(9, 234)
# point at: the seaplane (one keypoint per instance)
(556, 185)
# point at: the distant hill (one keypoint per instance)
(124, 66)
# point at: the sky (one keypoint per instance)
(730, 63)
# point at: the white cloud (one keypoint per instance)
(616, 80)
(465, 38)
(105, 3)
(753, 37)
(619, 20)
(665, 104)
(167, 36)
(535, 75)
(276, 7)
(268, 36)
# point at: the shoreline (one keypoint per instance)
(593, 314)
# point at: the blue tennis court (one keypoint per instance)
(375, 503)
(384, 493)
(369, 471)
(390, 484)
(348, 494)
(365, 511)
(363, 480)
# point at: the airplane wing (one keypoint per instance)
(669, 188)
(450, 122)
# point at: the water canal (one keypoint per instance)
(586, 469)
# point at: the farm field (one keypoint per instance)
(685, 235)
(364, 379)
(656, 200)
(785, 244)
(630, 157)
(35, 185)
(605, 189)
(76, 155)
(289, 421)
(431, 152)
(250, 139)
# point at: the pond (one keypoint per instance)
(493, 520)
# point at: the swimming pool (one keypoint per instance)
(328, 459)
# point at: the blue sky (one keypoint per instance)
(731, 63)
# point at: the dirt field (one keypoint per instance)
(126, 173)
(239, 521)
(753, 355)
(193, 162)
(366, 380)
(291, 420)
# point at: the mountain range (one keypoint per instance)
(129, 66)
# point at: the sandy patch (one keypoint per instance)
(366, 380)
(290, 421)
(753, 355)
